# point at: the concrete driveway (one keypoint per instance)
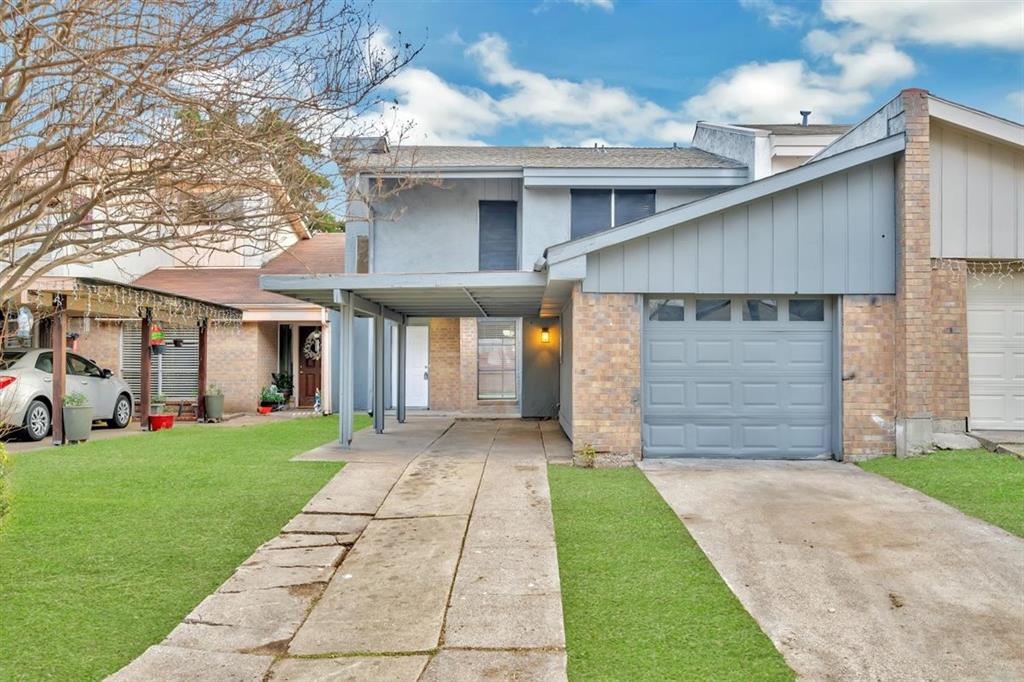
(852, 576)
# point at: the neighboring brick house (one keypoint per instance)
(696, 301)
(277, 334)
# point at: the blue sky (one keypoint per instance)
(629, 72)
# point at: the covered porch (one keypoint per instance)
(393, 302)
(63, 306)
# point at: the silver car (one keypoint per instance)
(26, 391)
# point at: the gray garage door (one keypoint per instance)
(737, 377)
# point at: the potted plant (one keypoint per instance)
(270, 398)
(283, 382)
(213, 401)
(77, 417)
(157, 404)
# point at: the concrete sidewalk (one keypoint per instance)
(430, 556)
(853, 576)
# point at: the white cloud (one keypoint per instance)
(777, 91)
(437, 112)
(606, 5)
(775, 14)
(960, 23)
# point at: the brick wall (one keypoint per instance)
(606, 372)
(869, 390)
(444, 364)
(98, 341)
(950, 389)
(914, 329)
(241, 360)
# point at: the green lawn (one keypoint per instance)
(984, 484)
(641, 600)
(110, 543)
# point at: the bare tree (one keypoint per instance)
(130, 124)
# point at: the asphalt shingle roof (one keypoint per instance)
(797, 129)
(436, 157)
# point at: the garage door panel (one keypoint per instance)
(995, 352)
(742, 388)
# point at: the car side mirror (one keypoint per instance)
(106, 373)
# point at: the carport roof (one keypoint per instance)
(450, 294)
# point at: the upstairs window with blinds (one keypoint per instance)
(595, 210)
(498, 235)
(496, 359)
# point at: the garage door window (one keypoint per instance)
(665, 309)
(806, 310)
(760, 310)
(714, 309)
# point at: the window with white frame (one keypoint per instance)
(496, 359)
(594, 210)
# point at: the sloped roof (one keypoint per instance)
(320, 255)
(427, 157)
(798, 129)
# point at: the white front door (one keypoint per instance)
(416, 341)
(995, 352)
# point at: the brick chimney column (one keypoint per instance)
(914, 331)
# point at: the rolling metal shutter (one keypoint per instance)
(181, 364)
(733, 387)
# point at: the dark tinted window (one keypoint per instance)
(633, 204)
(44, 363)
(713, 309)
(498, 235)
(591, 211)
(665, 309)
(760, 310)
(806, 310)
(8, 359)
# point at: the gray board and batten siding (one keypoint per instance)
(832, 235)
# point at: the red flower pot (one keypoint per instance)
(161, 421)
(264, 410)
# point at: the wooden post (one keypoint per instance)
(400, 398)
(201, 403)
(59, 344)
(145, 362)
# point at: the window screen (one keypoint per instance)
(496, 360)
(498, 235)
(591, 211)
(633, 204)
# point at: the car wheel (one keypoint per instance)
(37, 420)
(122, 412)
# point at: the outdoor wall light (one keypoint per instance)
(545, 335)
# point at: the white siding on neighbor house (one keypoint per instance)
(977, 195)
(565, 372)
(433, 228)
(835, 235)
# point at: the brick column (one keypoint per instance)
(914, 331)
(443, 364)
(606, 374)
(869, 398)
(950, 387)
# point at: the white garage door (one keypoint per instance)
(737, 377)
(995, 350)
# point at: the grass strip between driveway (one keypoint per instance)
(979, 483)
(111, 543)
(641, 601)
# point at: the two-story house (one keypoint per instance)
(691, 301)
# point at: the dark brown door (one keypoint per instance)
(309, 365)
